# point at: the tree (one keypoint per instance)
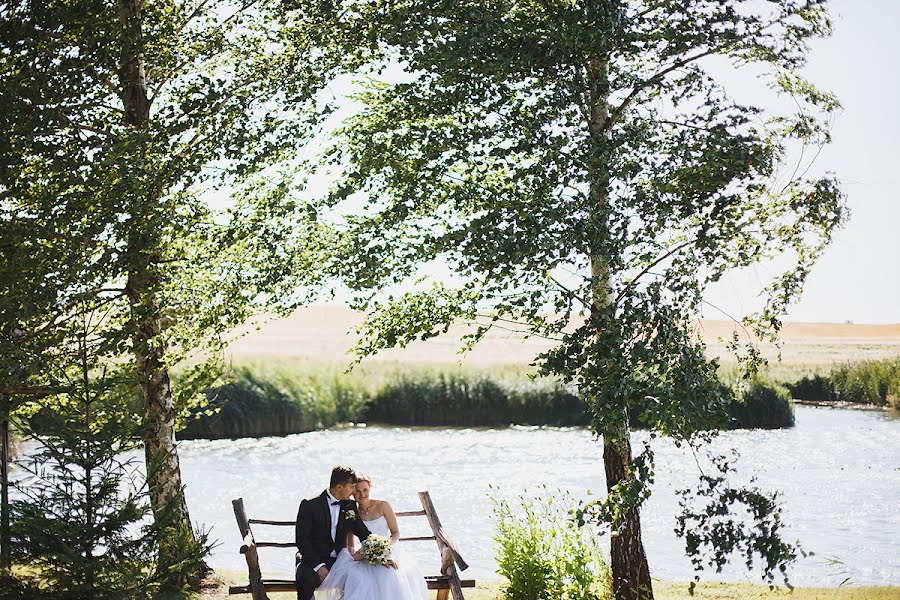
(583, 175)
(120, 119)
(80, 524)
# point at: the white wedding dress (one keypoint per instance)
(351, 579)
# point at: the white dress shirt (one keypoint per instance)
(335, 510)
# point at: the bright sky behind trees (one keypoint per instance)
(858, 277)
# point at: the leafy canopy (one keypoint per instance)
(582, 172)
(86, 197)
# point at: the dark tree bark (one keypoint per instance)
(628, 560)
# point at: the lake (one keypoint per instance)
(838, 470)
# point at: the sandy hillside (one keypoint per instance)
(325, 333)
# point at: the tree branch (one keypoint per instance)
(647, 269)
(660, 75)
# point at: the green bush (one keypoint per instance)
(762, 404)
(544, 554)
(815, 388)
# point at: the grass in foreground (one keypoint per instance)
(663, 590)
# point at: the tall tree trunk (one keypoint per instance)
(630, 571)
(161, 455)
(5, 537)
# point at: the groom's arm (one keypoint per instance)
(304, 543)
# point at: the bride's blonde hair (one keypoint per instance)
(360, 477)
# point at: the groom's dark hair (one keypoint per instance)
(341, 474)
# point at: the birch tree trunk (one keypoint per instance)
(163, 469)
(630, 571)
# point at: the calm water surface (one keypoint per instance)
(839, 471)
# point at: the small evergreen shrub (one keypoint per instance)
(81, 526)
(544, 554)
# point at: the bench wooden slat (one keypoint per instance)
(434, 582)
(268, 522)
(444, 583)
(417, 538)
(411, 513)
(276, 544)
(267, 586)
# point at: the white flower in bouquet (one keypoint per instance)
(377, 550)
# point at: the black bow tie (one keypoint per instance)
(336, 503)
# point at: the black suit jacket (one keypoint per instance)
(313, 536)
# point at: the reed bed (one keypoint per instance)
(875, 382)
(279, 397)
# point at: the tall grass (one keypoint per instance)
(280, 397)
(868, 382)
(437, 397)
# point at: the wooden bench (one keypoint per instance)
(446, 582)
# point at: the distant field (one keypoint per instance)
(326, 333)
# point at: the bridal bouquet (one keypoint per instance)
(377, 549)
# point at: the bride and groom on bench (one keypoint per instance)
(331, 566)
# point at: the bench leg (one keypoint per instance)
(443, 594)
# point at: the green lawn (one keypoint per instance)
(664, 590)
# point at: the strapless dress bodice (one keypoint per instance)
(378, 526)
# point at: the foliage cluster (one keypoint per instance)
(543, 554)
(719, 518)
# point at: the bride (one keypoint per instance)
(353, 578)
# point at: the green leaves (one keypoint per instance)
(231, 95)
(734, 519)
(543, 553)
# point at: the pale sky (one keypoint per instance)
(858, 278)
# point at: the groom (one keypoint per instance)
(322, 526)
